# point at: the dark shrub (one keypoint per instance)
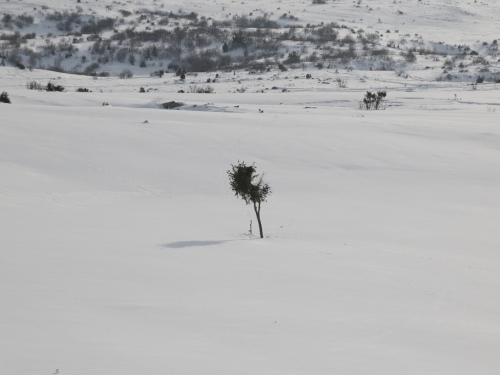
(249, 186)
(239, 40)
(33, 85)
(409, 56)
(93, 27)
(4, 98)
(172, 105)
(373, 100)
(157, 73)
(293, 58)
(126, 73)
(125, 13)
(52, 87)
(90, 70)
(258, 22)
(23, 20)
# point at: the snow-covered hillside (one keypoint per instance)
(450, 40)
(453, 21)
(124, 251)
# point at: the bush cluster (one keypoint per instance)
(373, 100)
(52, 87)
(201, 90)
(126, 73)
(33, 85)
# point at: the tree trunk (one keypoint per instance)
(257, 213)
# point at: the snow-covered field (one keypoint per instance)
(123, 250)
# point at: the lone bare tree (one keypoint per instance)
(249, 186)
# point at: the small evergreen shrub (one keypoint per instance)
(4, 98)
(83, 89)
(249, 186)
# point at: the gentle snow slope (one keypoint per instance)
(124, 252)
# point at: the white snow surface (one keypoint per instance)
(123, 250)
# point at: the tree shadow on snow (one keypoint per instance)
(182, 244)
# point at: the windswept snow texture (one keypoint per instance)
(123, 250)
